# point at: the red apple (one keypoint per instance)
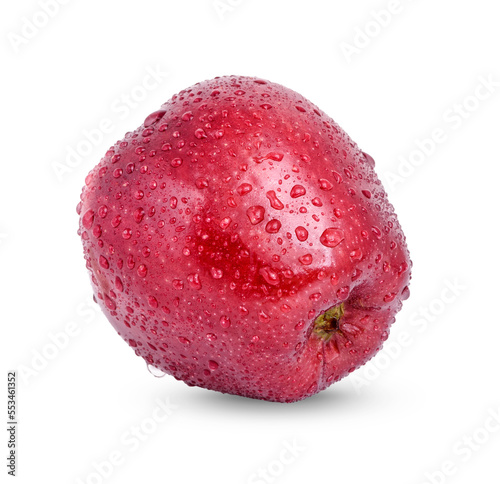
(240, 241)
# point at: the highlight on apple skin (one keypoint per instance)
(240, 241)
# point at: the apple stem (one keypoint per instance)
(328, 323)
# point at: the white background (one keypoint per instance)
(411, 413)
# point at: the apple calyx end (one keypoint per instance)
(328, 323)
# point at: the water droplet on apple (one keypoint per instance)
(273, 226)
(225, 223)
(225, 322)
(183, 340)
(297, 191)
(264, 317)
(216, 273)
(156, 372)
(118, 284)
(270, 276)
(274, 156)
(351, 329)
(213, 365)
(325, 184)
(116, 221)
(194, 281)
(356, 274)
(178, 284)
(200, 133)
(103, 262)
(211, 337)
(331, 237)
(313, 388)
(274, 201)
(256, 214)
(244, 188)
(88, 219)
(369, 159)
(342, 293)
(142, 270)
(103, 211)
(139, 215)
(110, 304)
(301, 233)
(306, 259)
(153, 118)
(201, 183)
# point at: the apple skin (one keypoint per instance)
(220, 231)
